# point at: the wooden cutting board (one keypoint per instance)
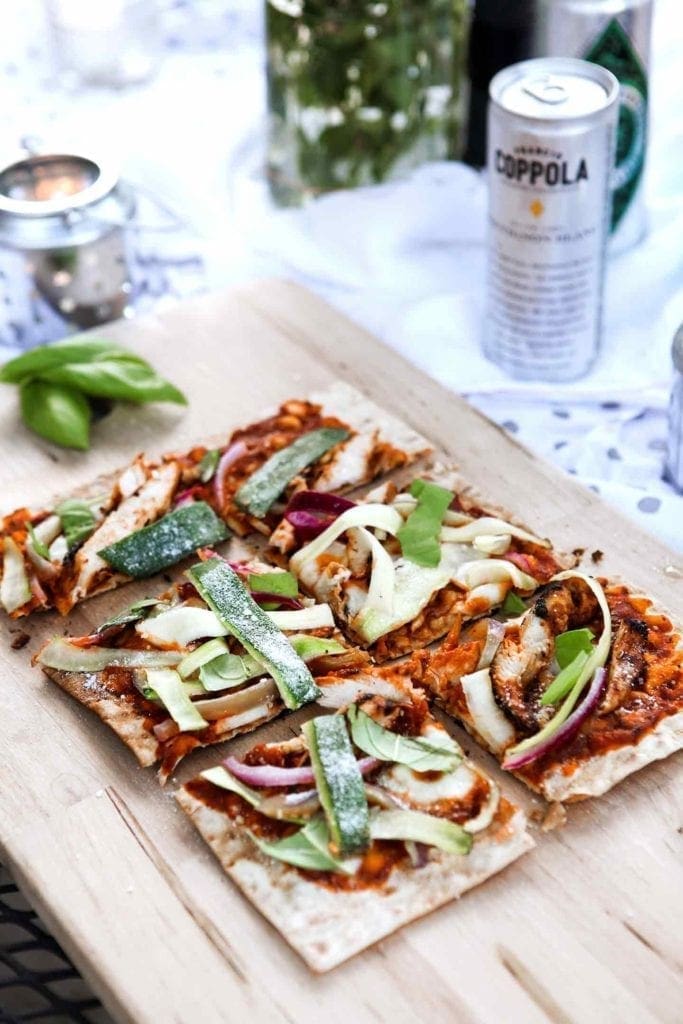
(585, 928)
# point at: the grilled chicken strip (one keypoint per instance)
(519, 670)
(627, 664)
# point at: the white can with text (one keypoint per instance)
(551, 138)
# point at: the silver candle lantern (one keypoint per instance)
(66, 215)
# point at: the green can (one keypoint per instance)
(616, 35)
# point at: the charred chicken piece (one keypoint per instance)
(627, 664)
(519, 670)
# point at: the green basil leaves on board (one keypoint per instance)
(57, 413)
(59, 384)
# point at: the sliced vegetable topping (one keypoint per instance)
(420, 828)
(439, 753)
(168, 686)
(489, 721)
(310, 647)
(78, 520)
(488, 526)
(135, 613)
(571, 643)
(272, 776)
(228, 671)
(281, 583)
(170, 539)
(207, 466)
(513, 605)
(419, 536)
(227, 596)
(565, 680)
(201, 655)
(15, 589)
(38, 545)
(308, 848)
(316, 616)
(294, 807)
(310, 512)
(564, 730)
(265, 486)
(339, 782)
(374, 515)
(66, 657)
(536, 746)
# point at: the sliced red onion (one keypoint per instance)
(231, 454)
(418, 853)
(521, 560)
(307, 525)
(166, 730)
(311, 512)
(495, 631)
(318, 501)
(187, 496)
(567, 730)
(263, 597)
(272, 776)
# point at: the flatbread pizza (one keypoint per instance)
(169, 676)
(581, 689)
(367, 820)
(401, 567)
(155, 512)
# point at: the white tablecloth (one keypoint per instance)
(406, 260)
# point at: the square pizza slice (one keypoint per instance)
(580, 690)
(401, 567)
(155, 512)
(186, 670)
(368, 819)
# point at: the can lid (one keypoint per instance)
(554, 89)
(677, 349)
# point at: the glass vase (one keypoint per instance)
(359, 93)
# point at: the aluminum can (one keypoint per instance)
(615, 34)
(551, 134)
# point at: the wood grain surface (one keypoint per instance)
(585, 928)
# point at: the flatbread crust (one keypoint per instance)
(129, 724)
(327, 927)
(596, 775)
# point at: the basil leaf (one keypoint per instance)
(59, 414)
(304, 849)
(37, 544)
(283, 584)
(513, 605)
(136, 612)
(571, 643)
(207, 466)
(419, 535)
(121, 379)
(78, 520)
(440, 754)
(58, 353)
(564, 680)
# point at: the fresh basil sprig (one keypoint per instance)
(58, 384)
